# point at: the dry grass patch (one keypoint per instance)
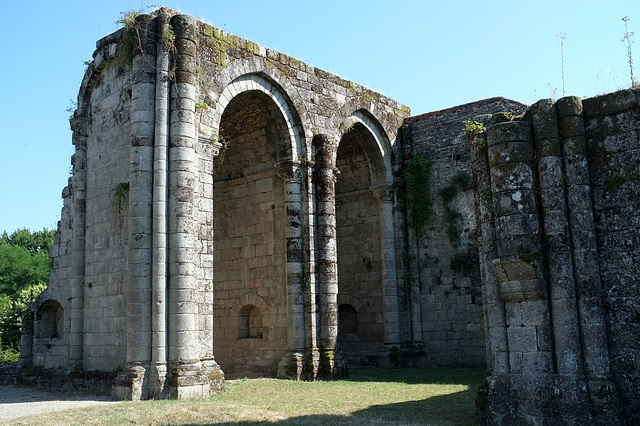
(443, 396)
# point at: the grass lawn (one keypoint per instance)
(412, 396)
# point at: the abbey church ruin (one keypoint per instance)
(233, 210)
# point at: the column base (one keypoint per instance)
(332, 365)
(158, 381)
(193, 379)
(132, 384)
(291, 366)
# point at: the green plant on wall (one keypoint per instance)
(417, 176)
(461, 181)
(126, 46)
(475, 131)
(120, 193)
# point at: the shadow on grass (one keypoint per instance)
(470, 376)
(439, 410)
(457, 408)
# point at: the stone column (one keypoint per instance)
(80, 128)
(133, 383)
(585, 256)
(384, 195)
(562, 292)
(330, 364)
(189, 376)
(158, 373)
(291, 365)
(492, 304)
(519, 268)
(312, 355)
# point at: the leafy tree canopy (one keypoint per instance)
(24, 260)
(35, 242)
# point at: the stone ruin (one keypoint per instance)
(230, 200)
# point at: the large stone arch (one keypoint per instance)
(258, 66)
(256, 226)
(364, 232)
(259, 82)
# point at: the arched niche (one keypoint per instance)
(249, 322)
(49, 320)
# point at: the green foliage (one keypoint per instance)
(201, 105)
(447, 193)
(126, 46)
(120, 192)
(9, 355)
(24, 271)
(24, 259)
(36, 241)
(476, 132)
(169, 38)
(11, 311)
(417, 175)
(473, 126)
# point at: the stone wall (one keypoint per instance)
(200, 217)
(557, 248)
(230, 200)
(612, 134)
(443, 263)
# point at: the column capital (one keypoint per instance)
(383, 193)
(80, 126)
(290, 170)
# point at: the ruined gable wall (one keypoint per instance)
(612, 126)
(107, 216)
(445, 262)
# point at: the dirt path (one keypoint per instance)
(21, 401)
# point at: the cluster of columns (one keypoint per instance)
(162, 357)
(544, 322)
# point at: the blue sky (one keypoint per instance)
(429, 55)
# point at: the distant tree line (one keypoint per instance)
(24, 271)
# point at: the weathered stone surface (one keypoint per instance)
(240, 203)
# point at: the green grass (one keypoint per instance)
(413, 396)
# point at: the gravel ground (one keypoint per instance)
(20, 401)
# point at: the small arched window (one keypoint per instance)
(347, 319)
(250, 322)
(49, 320)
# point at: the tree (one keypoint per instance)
(11, 311)
(24, 259)
(24, 272)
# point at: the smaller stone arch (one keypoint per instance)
(249, 322)
(250, 311)
(375, 143)
(347, 319)
(49, 320)
(348, 307)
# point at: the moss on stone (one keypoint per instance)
(222, 43)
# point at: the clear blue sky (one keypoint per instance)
(429, 55)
